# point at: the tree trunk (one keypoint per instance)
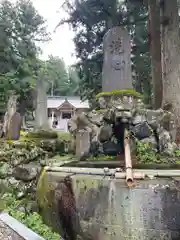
(170, 50)
(41, 115)
(112, 15)
(11, 109)
(155, 43)
(23, 122)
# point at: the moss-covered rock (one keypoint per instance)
(44, 187)
(32, 150)
(48, 145)
(120, 93)
(16, 152)
(26, 172)
(26, 143)
(43, 134)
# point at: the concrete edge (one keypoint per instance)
(19, 228)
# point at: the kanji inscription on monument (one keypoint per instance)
(117, 72)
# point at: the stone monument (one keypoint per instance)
(82, 143)
(100, 133)
(41, 115)
(14, 127)
(116, 72)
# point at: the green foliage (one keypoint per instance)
(60, 146)
(145, 153)
(141, 59)
(90, 20)
(120, 93)
(31, 219)
(65, 136)
(50, 141)
(73, 86)
(177, 153)
(22, 27)
(60, 81)
(17, 153)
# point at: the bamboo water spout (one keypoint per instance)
(128, 161)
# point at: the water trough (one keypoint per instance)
(114, 203)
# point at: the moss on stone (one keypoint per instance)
(103, 158)
(43, 134)
(65, 136)
(44, 188)
(62, 158)
(85, 183)
(101, 110)
(120, 93)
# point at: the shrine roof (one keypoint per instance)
(56, 101)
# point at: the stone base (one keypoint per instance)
(106, 127)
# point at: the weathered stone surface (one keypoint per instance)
(7, 233)
(82, 143)
(117, 60)
(14, 127)
(105, 133)
(110, 210)
(26, 172)
(111, 148)
(142, 130)
(11, 109)
(41, 115)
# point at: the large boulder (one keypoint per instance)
(26, 172)
(105, 133)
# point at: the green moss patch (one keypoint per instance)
(120, 93)
(43, 134)
(103, 158)
(64, 136)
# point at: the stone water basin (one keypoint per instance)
(109, 210)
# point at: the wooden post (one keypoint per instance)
(128, 162)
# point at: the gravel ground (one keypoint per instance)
(7, 233)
